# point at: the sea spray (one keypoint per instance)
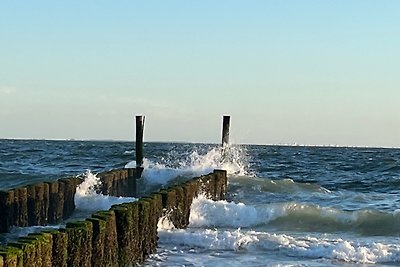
(233, 159)
(165, 224)
(194, 164)
(90, 184)
(88, 199)
(206, 212)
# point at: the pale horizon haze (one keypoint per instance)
(288, 72)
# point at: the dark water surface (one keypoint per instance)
(288, 206)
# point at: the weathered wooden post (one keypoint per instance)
(225, 130)
(139, 145)
(132, 183)
(225, 137)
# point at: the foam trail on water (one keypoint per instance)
(87, 198)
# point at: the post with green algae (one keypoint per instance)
(59, 251)
(144, 228)
(127, 233)
(80, 234)
(12, 256)
(7, 210)
(98, 241)
(42, 243)
(110, 249)
(155, 212)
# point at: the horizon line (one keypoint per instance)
(199, 142)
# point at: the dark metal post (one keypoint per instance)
(139, 145)
(225, 130)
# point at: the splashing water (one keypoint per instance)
(89, 185)
(87, 199)
(205, 212)
(231, 158)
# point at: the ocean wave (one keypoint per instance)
(359, 251)
(287, 185)
(292, 216)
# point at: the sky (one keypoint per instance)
(312, 72)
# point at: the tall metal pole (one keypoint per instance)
(139, 145)
(225, 130)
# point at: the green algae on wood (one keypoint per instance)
(59, 250)
(12, 256)
(127, 233)
(110, 253)
(79, 243)
(98, 241)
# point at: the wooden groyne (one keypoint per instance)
(124, 235)
(51, 202)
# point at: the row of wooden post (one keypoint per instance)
(124, 235)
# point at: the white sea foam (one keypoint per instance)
(87, 198)
(165, 224)
(290, 216)
(195, 165)
(206, 212)
(361, 252)
(208, 239)
(129, 152)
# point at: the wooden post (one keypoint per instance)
(225, 130)
(139, 145)
(132, 183)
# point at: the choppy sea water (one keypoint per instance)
(286, 206)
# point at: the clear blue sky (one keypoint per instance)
(306, 72)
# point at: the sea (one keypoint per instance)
(285, 206)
